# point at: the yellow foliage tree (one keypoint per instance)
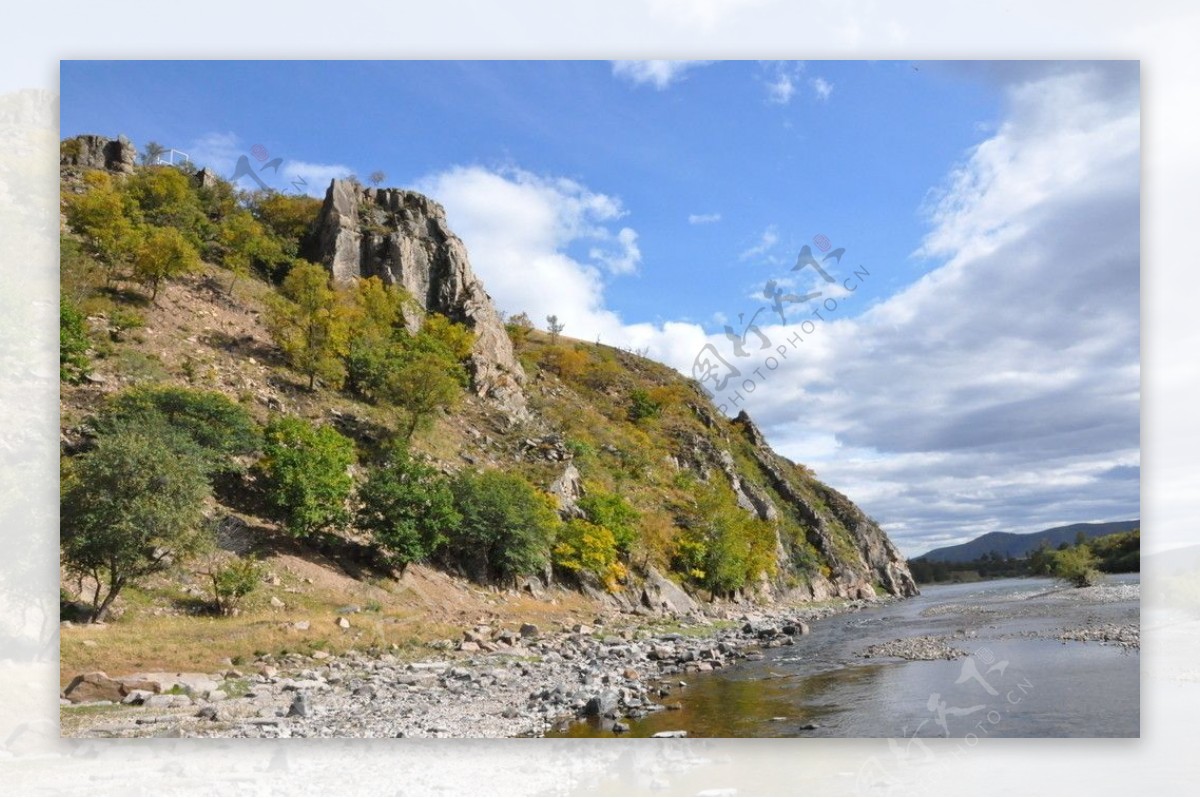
(309, 323)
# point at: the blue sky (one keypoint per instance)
(982, 376)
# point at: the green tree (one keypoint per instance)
(246, 243)
(612, 511)
(420, 386)
(72, 342)
(419, 374)
(375, 314)
(163, 253)
(166, 197)
(506, 529)
(131, 507)
(305, 474)
(407, 507)
(309, 323)
(204, 424)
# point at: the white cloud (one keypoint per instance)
(311, 178)
(520, 229)
(625, 259)
(1001, 390)
(659, 74)
(766, 243)
(821, 87)
(703, 218)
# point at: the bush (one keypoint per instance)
(603, 374)
(233, 581)
(131, 507)
(567, 363)
(723, 547)
(305, 471)
(72, 342)
(613, 512)
(506, 526)
(642, 405)
(407, 507)
(1076, 565)
(584, 547)
(204, 424)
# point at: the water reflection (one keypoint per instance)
(1015, 684)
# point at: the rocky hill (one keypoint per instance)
(574, 419)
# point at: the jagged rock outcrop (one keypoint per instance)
(402, 238)
(859, 554)
(98, 152)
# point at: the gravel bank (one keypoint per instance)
(498, 683)
(915, 648)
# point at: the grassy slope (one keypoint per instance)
(199, 334)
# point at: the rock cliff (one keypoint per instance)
(858, 555)
(97, 152)
(402, 238)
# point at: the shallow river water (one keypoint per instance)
(1017, 680)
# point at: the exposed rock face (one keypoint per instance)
(97, 152)
(567, 490)
(402, 238)
(858, 552)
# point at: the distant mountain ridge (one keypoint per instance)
(1010, 544)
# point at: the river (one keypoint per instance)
(1018, 678)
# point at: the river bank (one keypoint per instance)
(518, 681)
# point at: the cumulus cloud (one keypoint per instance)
(703, 218)
(623, 256)
(1001, 390)
(659, 74)
(520, 229)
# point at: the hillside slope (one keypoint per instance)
(578, 420)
